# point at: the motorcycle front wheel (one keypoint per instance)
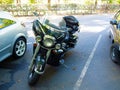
(114, 54)
(33, 77)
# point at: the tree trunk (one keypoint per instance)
(49, 4)
(96, 2)
(18, 1)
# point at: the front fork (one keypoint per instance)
(39, 61)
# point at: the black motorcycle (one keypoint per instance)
(52, 42)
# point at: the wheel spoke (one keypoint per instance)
(17, 52)
(23, 44)
(20, 42)
(17, 46)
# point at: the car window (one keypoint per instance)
(117, 16)
(5, 22)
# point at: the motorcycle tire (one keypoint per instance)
(114, 54)
(33, 77)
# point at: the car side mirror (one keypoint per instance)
(113, 22)
(118, 26)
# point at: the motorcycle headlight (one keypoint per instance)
(48, 41)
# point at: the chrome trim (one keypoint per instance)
(3, 49)
(48, 36)
(58, 46)
(38, 71)
(34, 55)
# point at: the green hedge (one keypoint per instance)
(27, 10)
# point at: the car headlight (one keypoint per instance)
(48, 41)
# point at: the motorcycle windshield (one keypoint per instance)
(54, 27)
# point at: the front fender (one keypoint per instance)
(20, 35)
(40, 65)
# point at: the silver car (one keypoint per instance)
(13, 36)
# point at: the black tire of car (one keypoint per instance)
(114, 54)
(33, 77)
(15, 45)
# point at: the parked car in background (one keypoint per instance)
(115, 38)
(13, 36)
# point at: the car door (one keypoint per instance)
(117, 30)
(5, 37)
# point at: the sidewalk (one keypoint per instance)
(26, 19)
(30, 19)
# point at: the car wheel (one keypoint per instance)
(114, 54)
(19, 47)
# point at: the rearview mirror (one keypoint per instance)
(47, 21)
(113, 22)
(36, 14)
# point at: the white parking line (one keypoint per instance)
(30, 43)
(83, 73)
